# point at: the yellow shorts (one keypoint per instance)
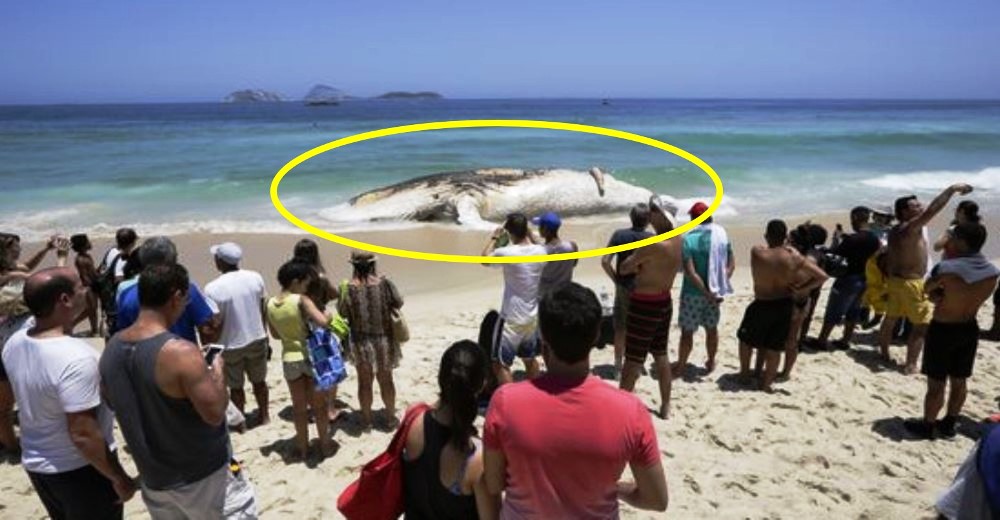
(907, 300)
(876, 293)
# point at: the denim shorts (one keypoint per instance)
(845, 300)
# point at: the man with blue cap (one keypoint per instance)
(555, 274)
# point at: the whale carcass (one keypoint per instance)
(472, 196)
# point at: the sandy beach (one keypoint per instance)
(828, 444)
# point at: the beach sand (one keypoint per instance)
(828, 444)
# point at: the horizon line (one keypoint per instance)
(522, 98)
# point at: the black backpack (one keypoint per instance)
(105, 287)
(490, 334)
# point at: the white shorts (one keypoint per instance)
(221, 495)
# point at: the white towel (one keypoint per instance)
(971, 269)
(718, 259)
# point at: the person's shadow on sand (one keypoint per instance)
(285, 448)
(733, 382)
(872, 360)
(892, 428)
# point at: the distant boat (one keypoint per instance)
(605, 101)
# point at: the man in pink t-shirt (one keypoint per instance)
(557, 445)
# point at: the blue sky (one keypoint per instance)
(129, 51)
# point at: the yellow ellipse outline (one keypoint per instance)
(486, 123)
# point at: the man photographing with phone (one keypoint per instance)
(171, 407)
(519, 311)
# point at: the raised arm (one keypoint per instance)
(32, 263)
(492, 244)
(938, 204)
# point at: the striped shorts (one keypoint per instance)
(648, 326)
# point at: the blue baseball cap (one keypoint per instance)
(548, 220)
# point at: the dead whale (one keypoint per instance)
(473, 196)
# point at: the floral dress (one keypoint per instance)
(368, 309)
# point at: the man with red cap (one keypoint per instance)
(708, 264)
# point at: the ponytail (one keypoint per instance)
(460, 379)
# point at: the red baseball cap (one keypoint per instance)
(697, 209)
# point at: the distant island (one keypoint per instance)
(324, 95)
(410, 95)
(320, 95)
(253, 96)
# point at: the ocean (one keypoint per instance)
(207, 167)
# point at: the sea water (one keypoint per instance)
(208, 166)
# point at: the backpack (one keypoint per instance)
(105, 287)
(490, 335)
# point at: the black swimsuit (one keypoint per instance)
(423, 493)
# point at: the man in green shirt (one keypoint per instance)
(705, 285)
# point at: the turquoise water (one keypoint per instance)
(208, 166)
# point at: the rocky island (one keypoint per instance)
(324, 95)
(253, 96)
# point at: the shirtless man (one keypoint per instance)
(958, 287)
(650, 308)
(906, 266)
(780, 276)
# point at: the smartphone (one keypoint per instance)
(211, 351)
(502, 241)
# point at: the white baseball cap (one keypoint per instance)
(669, 209)
(228, 252)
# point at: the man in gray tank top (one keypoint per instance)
(558, 273)
(171, 406)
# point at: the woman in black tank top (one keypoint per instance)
(443, 462)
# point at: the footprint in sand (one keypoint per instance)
(692, 484)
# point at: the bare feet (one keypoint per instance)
(326, 448)
(665, 411)
(676, 370)
(390, 421)
(264, 419)
(709, 366)
(910, 370)
(783, 377)
(300, 454)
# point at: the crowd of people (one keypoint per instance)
(176, 396)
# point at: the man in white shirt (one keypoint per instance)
(66, 431)
(519, 310)
(240, 296)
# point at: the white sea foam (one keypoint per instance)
(987, 179)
